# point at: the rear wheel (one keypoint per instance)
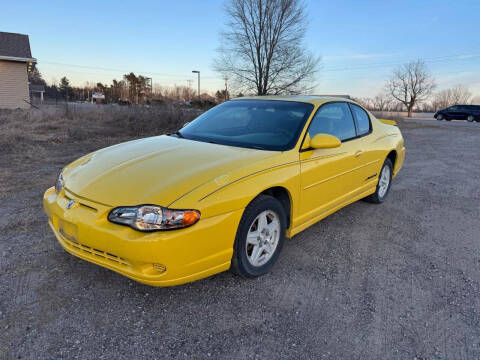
(470, 118)
(383, 185)
(260, 237)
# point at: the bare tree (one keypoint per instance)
(448, 97)
(411, 84)
(365, 102)
(381, 102)
(263, 51)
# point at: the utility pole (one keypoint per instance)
(226, 88)
(198, 73)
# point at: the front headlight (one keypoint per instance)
(59, 183)
(153, 218)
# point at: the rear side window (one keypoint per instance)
(363, 121)
(333, 119)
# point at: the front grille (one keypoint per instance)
(97, 252)
(88, 207)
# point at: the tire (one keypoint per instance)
(439, 117)
(470, 118)
(251, 257)
(381, 192)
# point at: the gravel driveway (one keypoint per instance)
(399, 280)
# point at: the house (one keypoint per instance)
(98, 97)
(15, 61)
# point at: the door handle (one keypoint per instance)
(358, 153)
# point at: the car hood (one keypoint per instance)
(156, 170)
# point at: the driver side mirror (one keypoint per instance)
(324, 141)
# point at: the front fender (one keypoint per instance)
(238, 193)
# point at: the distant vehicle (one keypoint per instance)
(459, 112)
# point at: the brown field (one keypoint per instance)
(47, 139)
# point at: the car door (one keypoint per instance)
(462, 112)
(452, 112)
(327, 175)
(368, 162)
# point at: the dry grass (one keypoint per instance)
(25, 132)
(35, 144)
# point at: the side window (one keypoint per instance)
(362, 118)
(334, 119)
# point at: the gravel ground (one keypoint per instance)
(399, 280)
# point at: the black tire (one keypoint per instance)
(440, 117)
(470, 118)
(376, 197)
(240, 262)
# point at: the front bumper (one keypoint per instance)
(158, 259)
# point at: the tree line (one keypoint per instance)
(457, 95)
(131, 89)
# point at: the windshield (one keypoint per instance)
(258, 124)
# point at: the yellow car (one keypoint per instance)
(225, 191)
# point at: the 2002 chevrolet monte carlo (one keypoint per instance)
(225, 191)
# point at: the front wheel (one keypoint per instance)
(470, 118)
(383, 185)
(440, 117)
(260, 237)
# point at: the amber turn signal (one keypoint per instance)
(190, 217)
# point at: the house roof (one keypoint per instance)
(15, 47)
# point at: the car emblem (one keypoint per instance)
(70, 204)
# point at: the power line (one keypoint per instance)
(118, 70)
(326, 69)
(390, 63)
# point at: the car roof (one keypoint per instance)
(311, 99)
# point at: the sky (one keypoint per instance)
(360, 42)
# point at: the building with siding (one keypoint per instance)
(15, 60)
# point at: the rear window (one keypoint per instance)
(363, 121)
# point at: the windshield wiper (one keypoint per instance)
(179, 134)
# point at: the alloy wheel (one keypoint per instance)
(384, 181)
(262, 238)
